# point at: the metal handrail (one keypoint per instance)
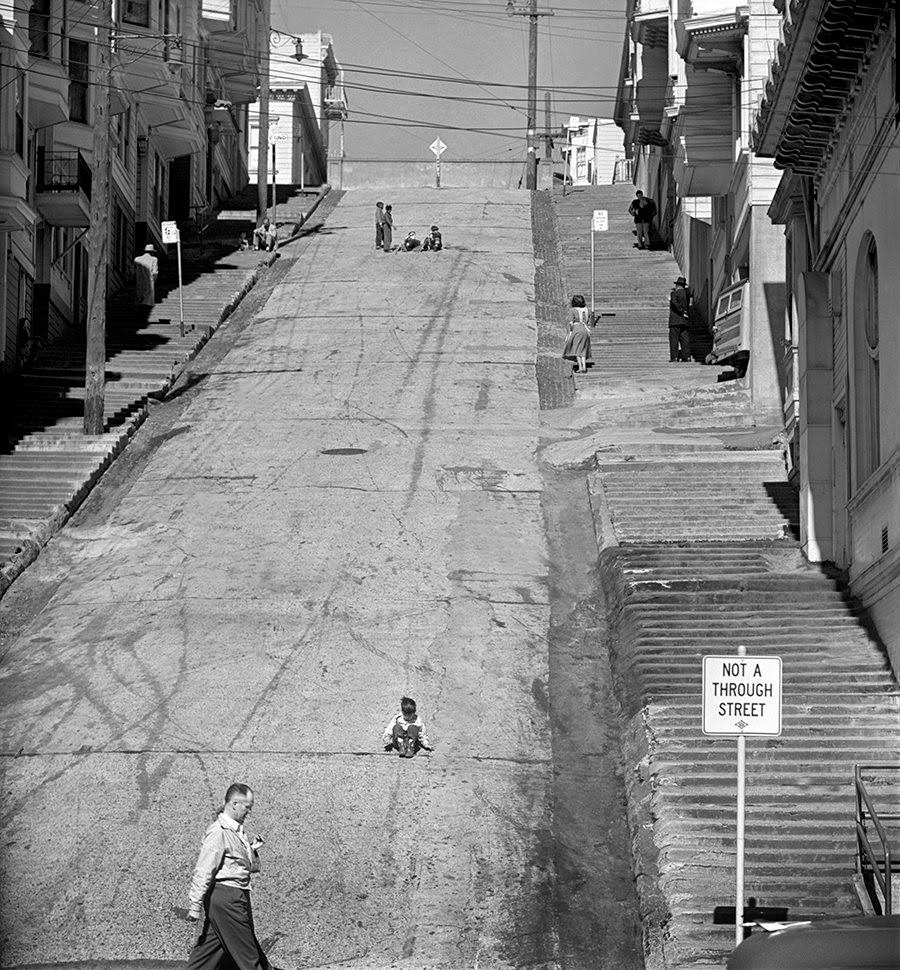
(866, 857)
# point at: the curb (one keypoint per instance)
(298, 231)
(34, 541)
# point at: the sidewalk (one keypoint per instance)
(47, 465)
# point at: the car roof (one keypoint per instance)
(853, 943)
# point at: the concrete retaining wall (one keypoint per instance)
(376, 173)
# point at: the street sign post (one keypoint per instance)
(741, 698)
(170, 234)
(438, 147)
(599, 223)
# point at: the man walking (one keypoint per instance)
(679, 319)
(379, 224)
(146, 270)
(643, 210)
(221, 883)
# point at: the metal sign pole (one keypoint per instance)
(274, 191)
(437, 172)
(592, 271)
(180, 287)
(739, 867)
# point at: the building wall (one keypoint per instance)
(857, 204)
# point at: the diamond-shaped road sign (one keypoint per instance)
(438, 147)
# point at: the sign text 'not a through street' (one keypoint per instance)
(742, 696)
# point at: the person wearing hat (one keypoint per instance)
(680, 301)
(146, 269)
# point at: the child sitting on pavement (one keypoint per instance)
(406, 732)
(433, 240)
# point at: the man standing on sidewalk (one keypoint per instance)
(221, 883)
(679, 319)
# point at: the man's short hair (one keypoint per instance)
(235, 789)
(638, 192)
(407, 705)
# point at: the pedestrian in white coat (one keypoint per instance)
(146, 269)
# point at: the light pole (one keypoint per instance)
(532, 13)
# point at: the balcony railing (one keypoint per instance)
(63, 172)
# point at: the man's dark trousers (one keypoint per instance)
(379, 235)
(228, 932)
(679, 335)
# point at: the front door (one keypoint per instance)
(180, 188)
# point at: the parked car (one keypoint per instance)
(731, 329)
(852, 943)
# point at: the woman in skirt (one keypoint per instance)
(578, 343)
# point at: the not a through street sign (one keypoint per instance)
(742, 696)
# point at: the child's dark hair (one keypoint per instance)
(577, 300)
(407, 705)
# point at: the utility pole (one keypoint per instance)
(262, 167)
(98, 236)
(531, 159)
(532, 13)
(547, 133)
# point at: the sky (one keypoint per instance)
(458, 69)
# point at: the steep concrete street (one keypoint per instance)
(346, 510)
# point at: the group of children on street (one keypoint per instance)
(384, 234)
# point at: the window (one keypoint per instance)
(136, 12)
(78, 81)
(581, 163)
(61, 254)
(39, 28)
(159, 188)
(866, 361)
(20, 114)
(119, 253)
(123, 136)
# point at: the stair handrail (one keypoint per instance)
(865, 853)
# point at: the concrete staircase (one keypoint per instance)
(697, 529)
(632, 284)
(670, 605)
(47, 465)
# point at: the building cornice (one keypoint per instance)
(814, 77)
(712, 42)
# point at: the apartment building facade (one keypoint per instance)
(307, 109)
(182, 75)
(690, 74)
(829, 117)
